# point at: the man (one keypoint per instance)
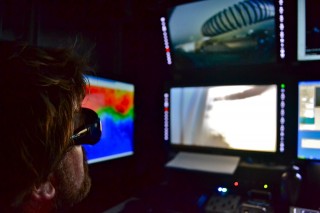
(41, 91)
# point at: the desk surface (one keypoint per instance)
(185, 191)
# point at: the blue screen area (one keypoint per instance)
(114, 103)
(309, 120)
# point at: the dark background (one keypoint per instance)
(125, 42)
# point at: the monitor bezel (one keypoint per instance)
(280, 41)
(301, 34)
(247, 155)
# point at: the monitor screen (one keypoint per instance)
(114, 103)
(309, 120)
(220, 33)
(232, 118)
(308, 46)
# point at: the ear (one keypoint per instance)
(44, 191)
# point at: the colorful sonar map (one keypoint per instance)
(114, 103)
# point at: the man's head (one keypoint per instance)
(41, 91)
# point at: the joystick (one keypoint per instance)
(290, 184)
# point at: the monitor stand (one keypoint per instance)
(205, 162)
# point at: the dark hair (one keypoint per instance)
(40, 92)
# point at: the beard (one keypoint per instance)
(69, 190)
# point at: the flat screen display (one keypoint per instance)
(232, 117)
(114, 103)
(206, 34)
(309, 120)
(308, 45)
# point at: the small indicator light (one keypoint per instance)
(222, 189)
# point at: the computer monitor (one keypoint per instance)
(114, 103)
(232, 119)
(308, 43)
(308, 146)
(201, 35)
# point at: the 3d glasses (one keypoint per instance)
(89, 130)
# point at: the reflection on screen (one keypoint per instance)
(222, 33)
(242, 117)
(309, 120)
(308, 30)
(114, 103)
